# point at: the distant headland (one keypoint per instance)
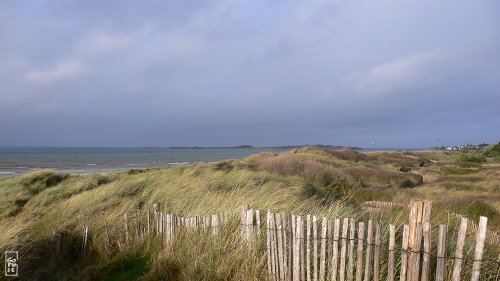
(246, 146)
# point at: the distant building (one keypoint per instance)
(462, 147)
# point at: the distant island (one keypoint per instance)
(328, 146)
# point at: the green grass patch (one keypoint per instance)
(492, 150)
(471, 158)
(38, 181)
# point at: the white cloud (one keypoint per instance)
(62, 70)
(406, 73)
(101, 42)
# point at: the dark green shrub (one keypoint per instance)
(340, 188)
(492, 150)
(94, 181)
(404, 169)
(224, 166)
(474, 159)
(38, 181)
(136, 171)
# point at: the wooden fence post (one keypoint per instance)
(368, 251)
(302, 250)
(296, 252)
(308, 248)
(414, 261)
(274, 245)
(350, 263)
(148, 221)
(441, 253)
(359, 251)
(243, 221)
(427, 249)
(85, 239)
(249, 224)
(279, 228)
(457, 265)
(404, 253)
(478, 251)
(392, 246)
(329, 249)
(292, 241)
(257, 220)
(286, 260)
(291, 230)
(315, 248)
(345, 226)
(322, 258)
(274, 238)
(420, 213)
(268, 242)
(156, 208)
(376, 254)
(334, 258)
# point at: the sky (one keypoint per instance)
(218, 73)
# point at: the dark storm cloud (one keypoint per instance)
(249, 72)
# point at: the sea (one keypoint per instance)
(85, 160)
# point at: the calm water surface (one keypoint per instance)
(18, 160)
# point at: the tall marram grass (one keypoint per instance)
(34, 207)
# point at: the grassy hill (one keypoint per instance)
(492, 150)
(332, 183)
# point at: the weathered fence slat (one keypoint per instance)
(335, 250)
(376, 254)
(350, 262)
(249, 231)
(368, 251)
(315, 248)
(268, 242)
(302, 250)
(478, 251)
(345, 226)
(279, 227)
(414, 263)
(296, 252)
(257, 220)
(404, 254)
(125, 220)
(322, 257)
(85, 240)
(274, 247)
(392, 246)
(359, 251)
(441, 253)
(308, 248)
(427, 250)
(457, 264)
(243, 221)
(284, 221)
(290, 232)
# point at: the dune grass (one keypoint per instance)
(331, 183)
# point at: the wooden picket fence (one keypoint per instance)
(313, 248)
(159, 223)
(370, 206)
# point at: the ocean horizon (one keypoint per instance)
(85, 160)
